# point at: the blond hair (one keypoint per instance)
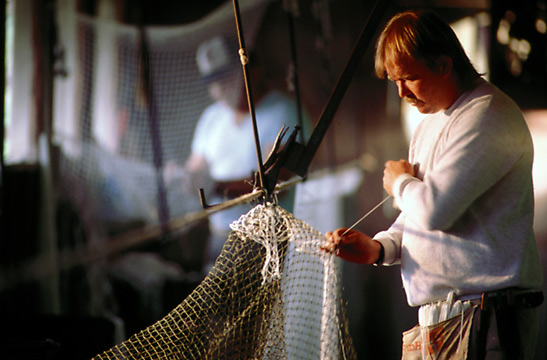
(423, 36)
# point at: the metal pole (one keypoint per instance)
(244, 60)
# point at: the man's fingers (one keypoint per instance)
(331, 241)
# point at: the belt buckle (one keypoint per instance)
(484, 300)
(497, 299)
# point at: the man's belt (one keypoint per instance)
(509, 297)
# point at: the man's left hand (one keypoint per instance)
(394, 169)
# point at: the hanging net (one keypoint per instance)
(272, 294)
(118, 126)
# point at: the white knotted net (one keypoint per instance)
(272, 294)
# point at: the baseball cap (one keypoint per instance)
(216, 57)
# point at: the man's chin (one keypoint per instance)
(422, 108)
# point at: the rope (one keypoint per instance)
(244, 61)
(163, 209)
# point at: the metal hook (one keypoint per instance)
(265, 195)
(202, 199)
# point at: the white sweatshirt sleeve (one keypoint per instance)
(391, 241)
(474, 151)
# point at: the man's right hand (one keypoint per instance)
(353, 246)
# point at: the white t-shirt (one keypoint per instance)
(229, 148)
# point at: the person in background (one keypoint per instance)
(224, 142)
(464, 237)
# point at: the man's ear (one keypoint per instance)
(445, 65)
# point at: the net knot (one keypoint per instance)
(266, 224)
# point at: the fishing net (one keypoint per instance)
(117, 128)
(116, 135)
(272, 294)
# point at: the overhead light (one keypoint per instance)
(541, 26)
(503, 32)
(523, 49)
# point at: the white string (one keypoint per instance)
(365, 216)
(461, 331)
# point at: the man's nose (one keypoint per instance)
(403, 90)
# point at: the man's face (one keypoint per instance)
(229, 91)
(420, 86)
(223, 91)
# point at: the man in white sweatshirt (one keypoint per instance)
(464, 237)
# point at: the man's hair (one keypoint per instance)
(423, 36)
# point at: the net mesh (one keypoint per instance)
(272, 294)
(115, 134)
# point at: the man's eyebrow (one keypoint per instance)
(389, 77)
(402, 77)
